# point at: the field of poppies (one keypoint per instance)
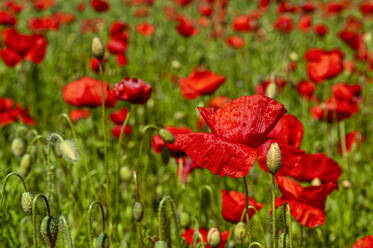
(186, 123)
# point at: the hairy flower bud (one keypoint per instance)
(18, 147)
(271, 90)
(98, 49)
(25, 164)
(166, 135)
(184, 219)
(68, 150)
(26, 202)
(102, 241)
(239, 232)
(274, 158)
(125, 173)
(137, 211)
(213, 237)
(49, 230)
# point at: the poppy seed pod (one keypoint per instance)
(98, 50)
(26, 202)
(49, 230)
(18, 147)
(274, 158)
(25, 164)
(68, 150)
(160, 244)
(166, 135)
(184, 219)
(213, 237)
(137, 211)
(239, 232)
(102, 241)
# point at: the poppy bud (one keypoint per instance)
(137, 211)
(102, 241)
(98, 50)
(239, 232)
(184, 219)
(316, 182)
(213, 237)
(49, 230)
(274, 158)
(166, 135)
(346, 184)
(26, 202)
(271, 90)
(68, 150)
(25, 164)
(160, 244)
(125, 173)
(18, 147)
(165, 155)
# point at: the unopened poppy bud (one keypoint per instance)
(160, 244)
(18, 147)
(49, 230)
(184, 219)
(316, 182)
(166, 135)
(125, 173)
(165, 155)
(137, 211)
(213, 237)
(274, 158)
(98, 49)
(346, 184)
(26, 202)
(102, 241)
(68, 150)
(271, 90)
(239, 232)
(25, 164)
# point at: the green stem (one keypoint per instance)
(162, 220)
(273, 212)
(285, 226)
(67, 231)
(255, 243)
(289, 219)
(5, 183)
(99, 204)
(34, 208)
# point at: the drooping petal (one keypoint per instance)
(289, 130)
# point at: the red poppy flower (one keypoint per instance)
(10, 114)
(117, 129)
(235, 42)
(100, 5)
(288, 130)
(321, 29)
(141, 12)
(242, 23)
(121, 59)
(40, 24)
(234, 204)
(183, 2)
(205, 10)
(306, 89)
(146, 29)
(133, 90)
(216, 102)
(14, 7)
(287, 7)
(86, 92)
(306, 204)
(334, 110)
(7, 18)
(322, 64)
(116, 46)
(237, 129)
(365, 242)
(81, 7)
(188, 235)
(9, 57)
(352, 39)
(284, 24)
(347, 92)
(305, 23)
(263, 4)
(316, 166)
(175, 148)
(118, 117)
(353, 141)
(64, 17)
(261, 89)
(307, 7)
(119, 31)
(95, 65)
(186, 27)
(78, 114)
(334, 8)
(200, 82)
(366, 8)
(43, 4)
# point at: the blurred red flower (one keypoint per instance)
(235, 42)
(116, 130)
(78, 114)
(200, 82)
(307, 90)
(186, 27)
(39, 24)
(133, 90)
(242, 23)
(100, 5)
(321, 29)
(284, 24)
(305, 23)
(234, 204)
(146, 29)
(188, 235)
(10, 114)
(118, 117)
(43, 4)
(261, 88)
(365, 242)
(7, 18)
(288, 130)
(353, 140)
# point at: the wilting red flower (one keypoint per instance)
(305, 23)
(322, 64)
(186, 27)
(242, 23)
(188, 235)
(116, 130)
(316, 166)
(284, 23)
(78, 114)
(7, 18)
(353, 140)
(200, 82)
(365, 242)
(261, 89)
(288, 130)
(146, 29)
(133, 90)
(100, 5)
(175, 148)
(238, 128)
(9, 114)
(118, 117)
(43, 4)
(86, 92)
(306, 204)
(321, 29)
(235, 42)
(234, 204)
(306, 89)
